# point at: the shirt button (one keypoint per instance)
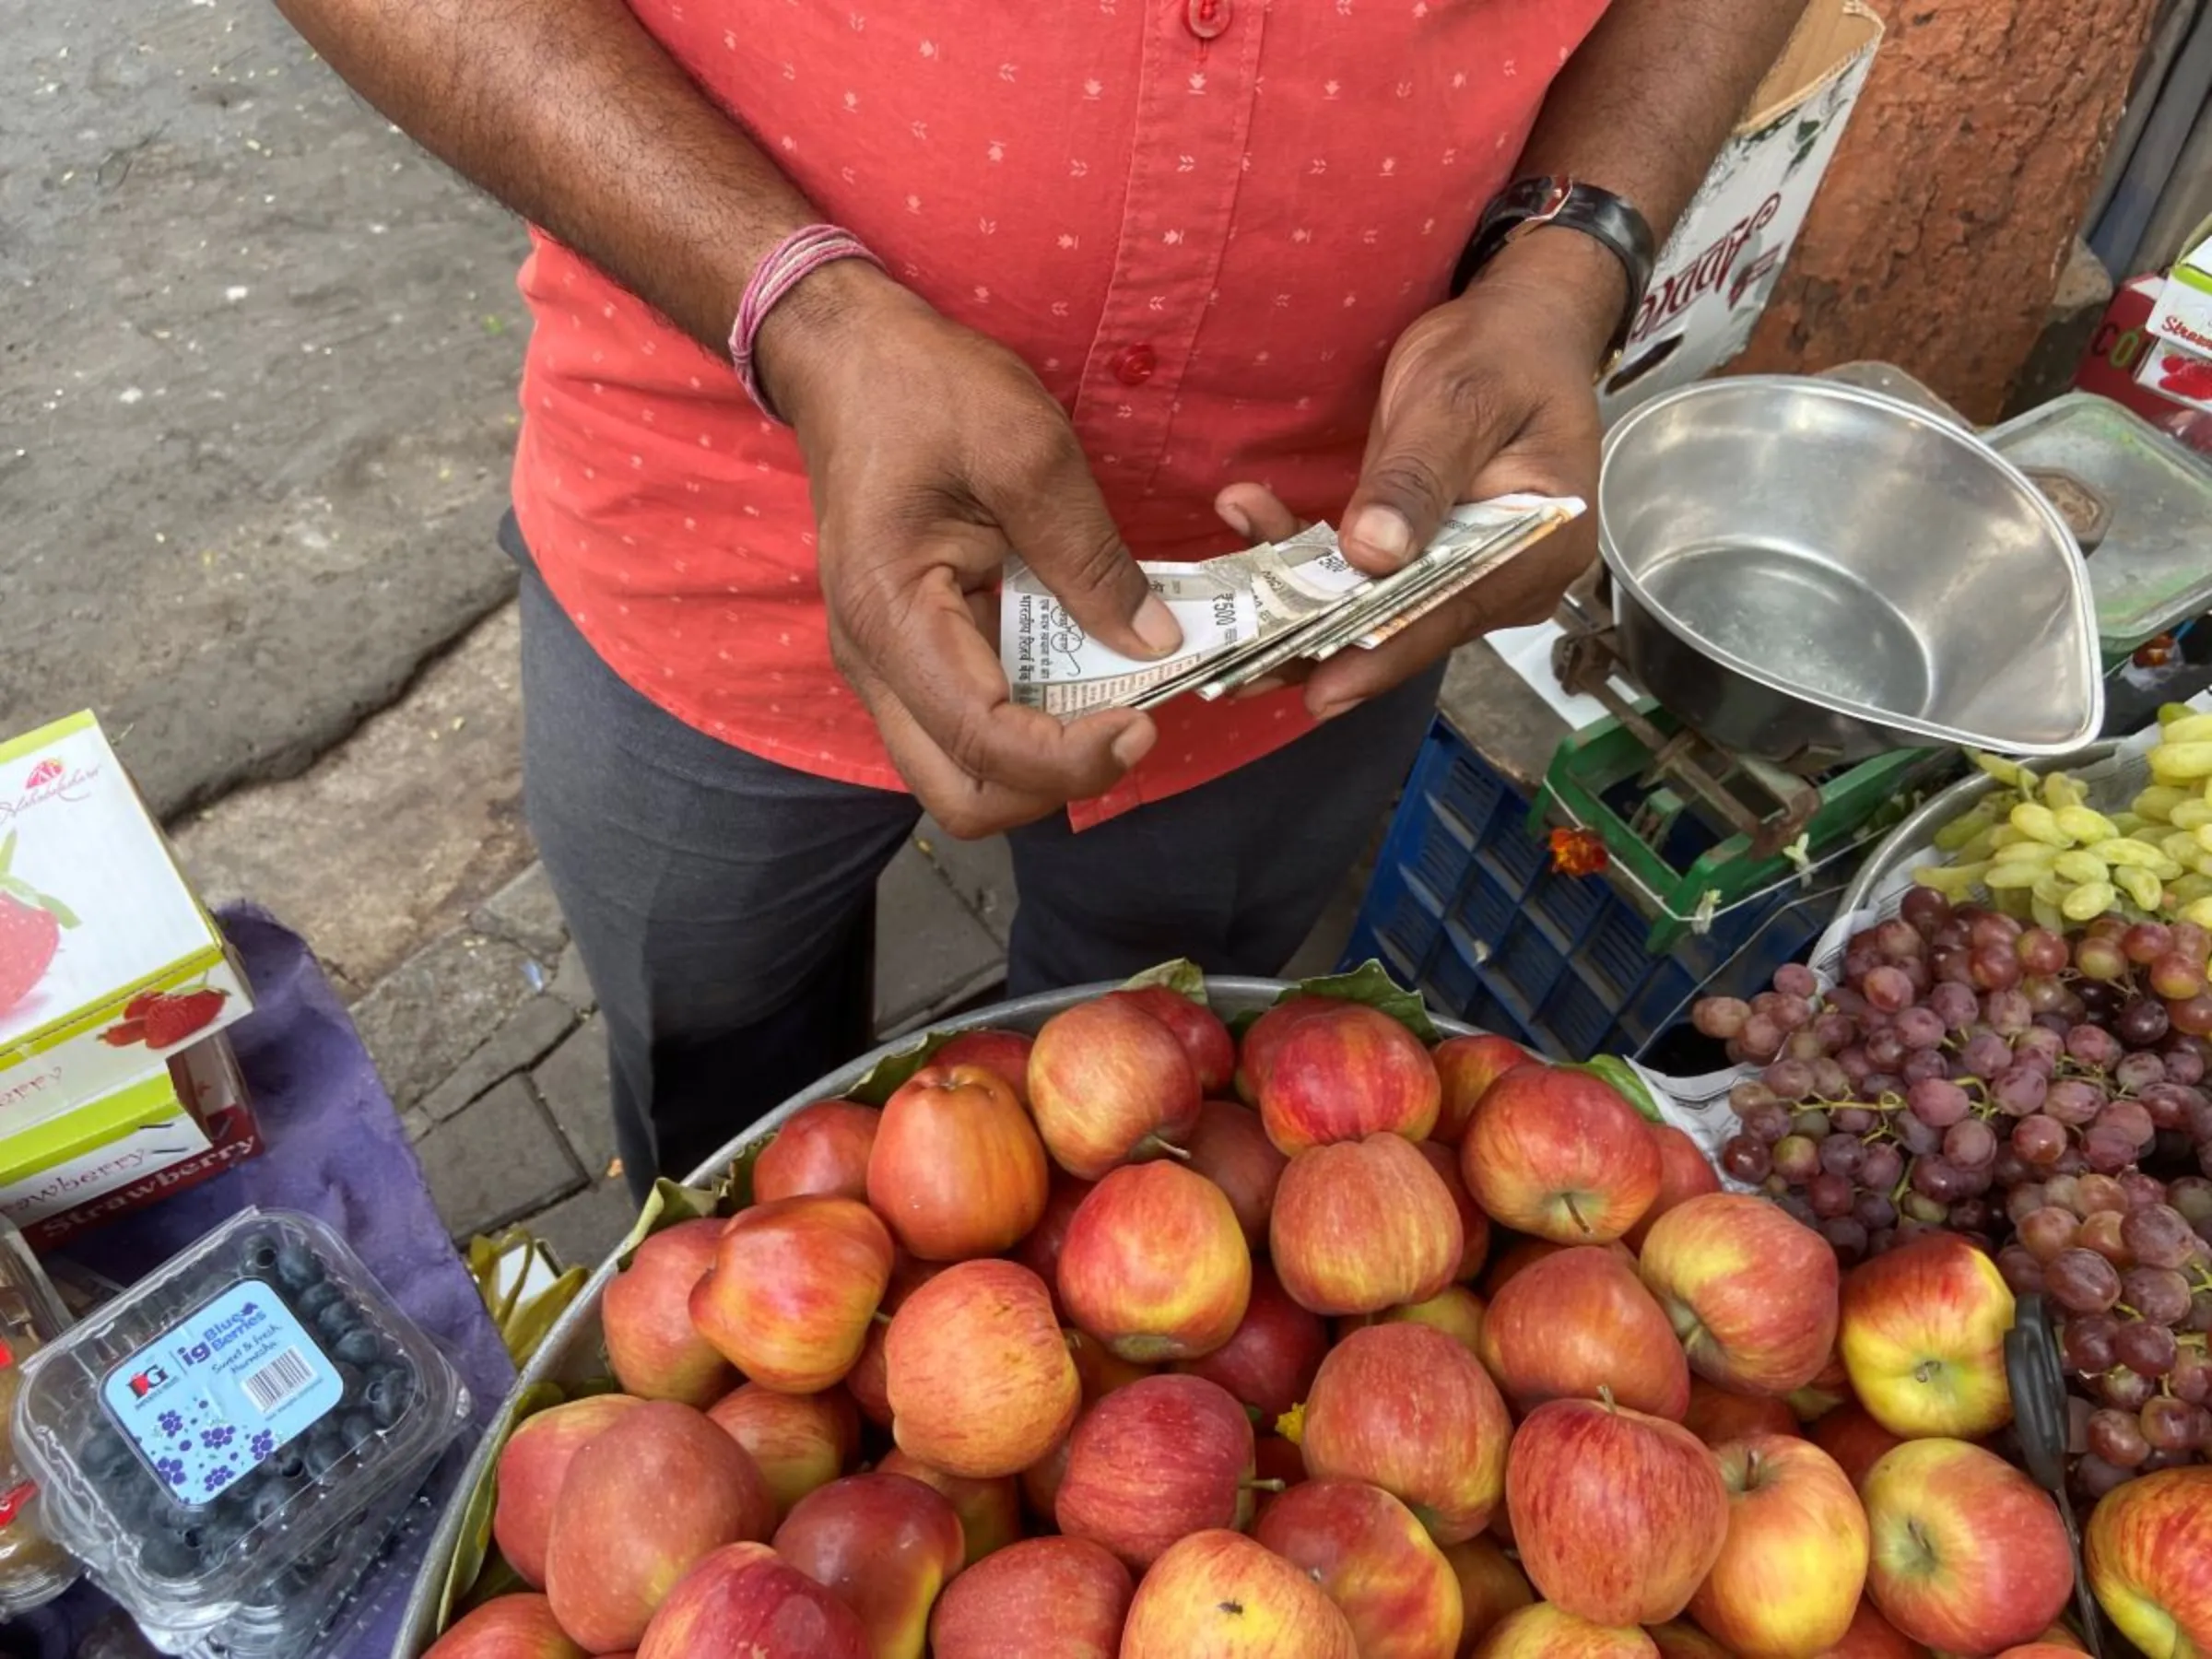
(1207, 18)
(1134, 365)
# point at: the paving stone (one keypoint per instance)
(930, 950)
(526, 1036)
(980, 872)
(572, 1081)
(525, 912)
(584, 1228)
(497, 1161)
(570, 983)
(416, 1122)
(437, 1009)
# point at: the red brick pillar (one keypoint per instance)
(1939, 233)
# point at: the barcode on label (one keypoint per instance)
(280, 1380)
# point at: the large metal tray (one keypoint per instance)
(571, 1352)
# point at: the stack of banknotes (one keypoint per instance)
(1246, 614)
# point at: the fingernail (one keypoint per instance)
(1239, 519)
(1384, 531)
(1156, 626)
(1135, 743)
(1260, 686)
(1330, 710)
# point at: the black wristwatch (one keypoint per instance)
(1531, 204)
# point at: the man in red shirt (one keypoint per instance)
(1161, 277)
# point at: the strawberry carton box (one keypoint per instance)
(186, 1123)
(108, 963)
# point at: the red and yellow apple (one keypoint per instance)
(1580, 1322)
(1268, 1363)
(1789, 1577)
(1343, 1073)
(1548, 1632)
(1618, 1515)
(743, 1601)
(1217, 1595)
(2148, 1553)
(799, 1442)
(1063, 1596)
(1490, 1586)
(1230, 1148)
(1212, 1050)
(1873, 1637)
(978, 1379)
(1004, 1053)
(820, 1151)
(1855, 1440)
(793, 1289)
(1406, 1408)
(1040, 1250)
(1108, 1084)
(1969, 1555)
(1474, 1226)
(1465, 1067)
(884, 1544)
(533, 1463)
(1678, 1638)
(990, 1511)
(1684, 1172)
(645, 1317)
(865, 1381)
(1718, 1413)
(957, 1169)
(1455, 1310)
(1155, 1264)
(511, 1627)
(1923, 1339)
(1256, 1052)
(1361, 1226)
(1751, 1292)
(1374, 1561)
(1559, 1154)
(643, 1501)
(1163, 1457)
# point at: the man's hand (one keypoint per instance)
(933, 453)
(1491, 392)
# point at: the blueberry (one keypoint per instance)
(326, 1448)
(350, 1382)
(268, 1502)
(311, 1301)
(106, 1454)
(258, 1256)
(337, 1317)
(296, 1265)
(358, 1346)
(356, 1426)
(387, 1395)
(166, 1555)
(217, 1536)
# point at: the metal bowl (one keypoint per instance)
(572, 1350)
(1806, 569)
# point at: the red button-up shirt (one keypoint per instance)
(1202, 223)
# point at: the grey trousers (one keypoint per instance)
(723, 904)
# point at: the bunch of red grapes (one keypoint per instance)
(2043, 1097)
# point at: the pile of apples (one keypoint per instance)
(1064, 1353)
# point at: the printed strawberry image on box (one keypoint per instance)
(108, 963)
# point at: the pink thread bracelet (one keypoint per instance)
(788, 264)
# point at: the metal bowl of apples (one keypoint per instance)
(571, 1352)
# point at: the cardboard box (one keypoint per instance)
(2181, 374)
(2183, 315)
(1715, 275)
(108, 963)
(189, 1121)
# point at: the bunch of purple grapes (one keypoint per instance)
(2043, 1096)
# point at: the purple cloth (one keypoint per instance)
(333, 1149)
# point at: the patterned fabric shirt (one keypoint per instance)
(1202, 223)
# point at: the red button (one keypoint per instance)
(1208, 18)
(1134, 365)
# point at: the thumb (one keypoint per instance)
(1060, 526)
(1415, 468)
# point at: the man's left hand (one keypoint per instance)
(1491, 392)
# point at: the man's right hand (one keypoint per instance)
(933, 454)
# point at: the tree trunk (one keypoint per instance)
(1939, 234)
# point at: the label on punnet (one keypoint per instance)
(216, 1393)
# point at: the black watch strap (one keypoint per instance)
(1531, 204)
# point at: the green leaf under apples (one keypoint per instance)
(474, 1546)
(1183, 976)
(1371, 983)
(1622, 1077)
(668, 1204)
(884, 1079)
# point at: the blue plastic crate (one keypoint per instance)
(1465, 907)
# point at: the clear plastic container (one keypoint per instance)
(33, 1568)
(224, 1445)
